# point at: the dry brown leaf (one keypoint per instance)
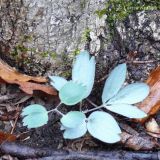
(136, 142)
(133, 140)
(7, 137)
(151, 104)
(153, 128)
(9, 73)
(29, 87)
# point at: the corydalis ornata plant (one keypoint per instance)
(73, 91)
(116, 97)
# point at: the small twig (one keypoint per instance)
(24, 99)
(15, 122)
(143, 62)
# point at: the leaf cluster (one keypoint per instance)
(116, 98)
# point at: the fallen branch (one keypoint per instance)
(25, 152)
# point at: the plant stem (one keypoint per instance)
(58, 105)
(56, 110)
(93, 109)
(80, 106)
(91, 102)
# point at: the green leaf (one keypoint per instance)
(131, 94)
(33, 108)
(80, 67)
(83, 71)
(114, 82)
(127, 110)
(78, 131)
(90, 76)
(63, 127)
(57, 82)
(73, 119)
(34, 116)
(72, 93)
(103, 126)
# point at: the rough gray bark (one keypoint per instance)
(42, 29)
(54, 25)
(141, 32)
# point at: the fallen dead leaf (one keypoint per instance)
(153, 128)
(12, 76)
(133, 140)
(9, 73)
(136, 142)
(151, 104)
(29, 87)
(7, 137)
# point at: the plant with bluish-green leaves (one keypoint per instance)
(83, 73)
(34, 116)
(115, 97)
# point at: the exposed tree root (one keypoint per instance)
(30, 153)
